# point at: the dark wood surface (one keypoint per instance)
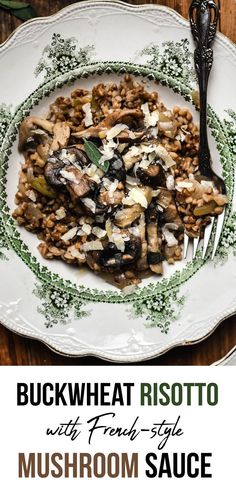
(16, 350)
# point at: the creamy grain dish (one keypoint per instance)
(110, 180)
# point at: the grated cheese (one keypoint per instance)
(88, 120)
(169, 236)
(60, 213)
(115, 131)
(70, 234)
(92, 246)
(89, 203)
(170, 182)
(98, 232)
(150, 119)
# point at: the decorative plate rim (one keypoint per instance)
(101, 354)
(127, 359)
(48, 19)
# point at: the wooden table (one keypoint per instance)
(15, 350)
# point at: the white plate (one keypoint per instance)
(73, 311)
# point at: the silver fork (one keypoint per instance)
(204, 15)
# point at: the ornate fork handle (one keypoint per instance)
(204, 15)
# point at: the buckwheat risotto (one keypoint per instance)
(110, 179)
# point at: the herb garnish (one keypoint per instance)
(21, 10)
(94, 155)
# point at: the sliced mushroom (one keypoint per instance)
(64, 167)
(126, 136)
(78, 186)
(61, 136)
(142, 263)
(117, 168)
(112, 259)
(29, 135)
(166, 201)
(43, 150)
(125, 217)
(106, 199)
(112, 119)
(153, 175)
(154, 255)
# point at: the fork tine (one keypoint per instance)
(186, 243)
(207, 235)
(220, 223)
(195, 246)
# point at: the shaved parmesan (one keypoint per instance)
(108, 150)
(70, 234)
(180, 137)
(129, 289)
(169, 236)
(183, 185)
(89, 203)
(108, 227)
(92, 246)
(60, 213)
(132, 135)
(31, 195)
(115, 131)
(208, 183)
(88, 120)
(170, 182)
(76, 253)
(98, 232)
(113, 188)
(150, 119)
(135, 231)
(155, 193)
(133, 181)
(137, 196)
(69, 176)
(118, 240)
(121, 147)
(87, 229)
(163, 153)
(91, 170)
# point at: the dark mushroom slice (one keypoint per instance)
(34, 131)
(142, 263)
(101, 196)
(154, 256)
(117, 168)
(65, 168)
(93, 260)
(153, 176)
(112, 259)
(79, 185)
(166, 201)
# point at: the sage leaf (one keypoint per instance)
(13, 5)
(21, 10)
(94, 155)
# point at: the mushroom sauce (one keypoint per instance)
(110, 179)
